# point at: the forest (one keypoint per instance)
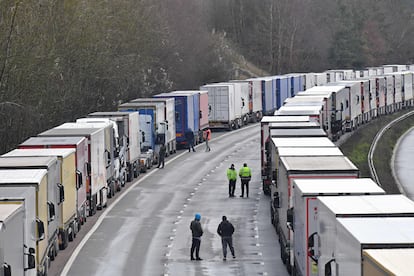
(62, 59)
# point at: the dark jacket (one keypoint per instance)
(189, 136)
(196, 229)
(225, 229)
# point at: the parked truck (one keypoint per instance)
(358, 234)
(115, 170)
(294, 167)
(187, 114)
(253, 99)
(387, 262)
(225, 105)
(166, 133)
(12, 243)
(129, 140)
(30, 186)
(80, 144)
(68, 221)
(307, 214)
(54, 194)
(156, 134)
(330, 208)
(98, 155)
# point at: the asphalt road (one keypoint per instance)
(145, 228)
(403, 165)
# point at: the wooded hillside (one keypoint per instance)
(60, 60)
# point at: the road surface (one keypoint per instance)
(145, 230)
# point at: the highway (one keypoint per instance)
(403, 165)
(145, 229)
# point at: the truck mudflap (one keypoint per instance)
(266, 186)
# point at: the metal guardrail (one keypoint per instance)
(377, 137)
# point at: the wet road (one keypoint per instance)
(403, 162)
(145, 230)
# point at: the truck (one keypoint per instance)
(330, 208)
(267, 88)
(29, 186)
(166, 133)
(387, 262)
(80, 144)
(254, 102)
(129, 139)
(66, 193)
(155, 109)
(225, 105)
(147, 142)
(265, 144)
(98, 155)
(54, 193)
(290, 168)
(12, 243)
(115, 169)
(188, 114)
(307, 214)
(354, 235)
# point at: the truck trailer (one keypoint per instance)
(80, 144)
(30, 186)
(129, 139)
(98, 155)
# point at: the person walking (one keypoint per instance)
(189, 136)
(245, 174)
(232, 177)
(207, 137)
(226, 230)
(197, 232)
(161, 154)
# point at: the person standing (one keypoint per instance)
(189, 136)
(197, 232)
(161, 154)
(226, 230)
(207, 138)
(245, 174)
(232, 177)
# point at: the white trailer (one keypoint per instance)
(357, 234)
(54, 191)
(67, 200)
(225, 105)
(99, 160)
(306, 214)
(167, 128)
(330, 208)
(295, 167)
(252, 97)
(387, 262)
(115, 169)
(265, 144)
(12, 257)
(30, 187)
(80, 144)
(129, 139)
(315, 112)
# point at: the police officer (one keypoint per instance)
(245, 174)
(232, 177)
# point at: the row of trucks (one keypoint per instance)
(330, 221)
(58, 179)
(65, 174)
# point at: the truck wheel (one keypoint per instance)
(70, 234)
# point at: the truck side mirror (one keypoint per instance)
(61, 190)
(40, 230)
(328, 268)
(274, 175)
(79, 181)
(290, 217)
(276, 200)
(6, 269)
(31, 262)
(52, 213)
